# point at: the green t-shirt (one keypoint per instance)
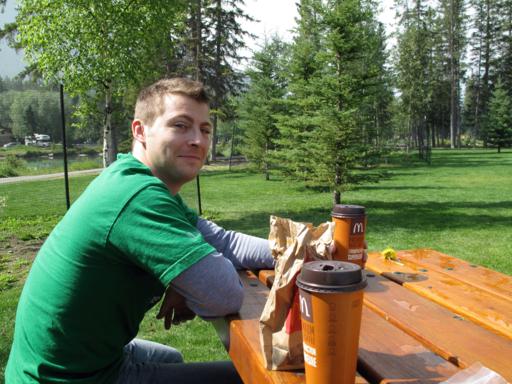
(103, 266)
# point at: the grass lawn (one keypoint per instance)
(460, 205)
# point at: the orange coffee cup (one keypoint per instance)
(331, 302)
(349, 230)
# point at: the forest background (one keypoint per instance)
(332, 100)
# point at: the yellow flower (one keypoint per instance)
(389, 254)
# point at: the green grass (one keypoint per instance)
(460, 205)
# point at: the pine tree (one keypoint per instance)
(504, 67)
(295, 144)
(262, 102)
(468, 115)
(349, 70)
(499, 129)
(413, 64)
(336, 74)
(483, 49)
(454, 30)
(223, 44)
(207, 49)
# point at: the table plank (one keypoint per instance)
(482, 306)
(485, 279)
(440, 330)
(245, 352)
(388, 355)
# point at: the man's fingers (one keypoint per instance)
(165, 307)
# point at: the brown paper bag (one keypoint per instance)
(292, 244)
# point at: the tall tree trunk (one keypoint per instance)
(109, 142)
(197, 40)
(217, 70)
(337, 183)
(478, 90)
(265, 160)
(452, 51)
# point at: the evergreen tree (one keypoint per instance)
(262, 102)
(454, 32)
(296, 127)
(379, 92)
(348, 71)
(207, 49)
(336, 77)
(224, 43)
(499, 129)
(483, 49)
(468, 115)
(504, 68)
(414, 68)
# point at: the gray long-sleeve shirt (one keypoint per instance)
(212, 287)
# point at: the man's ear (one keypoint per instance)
(139, 131)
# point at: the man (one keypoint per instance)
(126, 240)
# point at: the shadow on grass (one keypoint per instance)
(390, 216)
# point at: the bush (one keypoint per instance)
(10, 166)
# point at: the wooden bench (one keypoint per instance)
(426, 316)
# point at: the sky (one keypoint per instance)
(275, 16)
(10, 62)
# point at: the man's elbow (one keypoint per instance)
(233, 305)
(228, 303)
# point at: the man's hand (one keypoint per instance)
(332, 250)
(174, 310)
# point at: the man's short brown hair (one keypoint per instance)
(150, 102)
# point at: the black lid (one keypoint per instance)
(331, 276)
(344, 210)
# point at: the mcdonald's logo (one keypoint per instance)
(305, 306)
(357, 227)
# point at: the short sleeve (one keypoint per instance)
(156, 232)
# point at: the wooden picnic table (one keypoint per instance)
(425, 317)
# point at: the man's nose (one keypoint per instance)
(195, 137)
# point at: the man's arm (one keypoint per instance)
(211, 288)
(244, 251)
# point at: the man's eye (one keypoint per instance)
(206, 131)
(180, 125)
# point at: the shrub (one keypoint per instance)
(10, 166)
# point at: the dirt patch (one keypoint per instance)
(16, 257)
(20, 249)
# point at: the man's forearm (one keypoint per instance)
(244, 251)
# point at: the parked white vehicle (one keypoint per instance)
(38, 139)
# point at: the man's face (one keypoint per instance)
(178, 140)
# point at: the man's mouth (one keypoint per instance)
(194, 157)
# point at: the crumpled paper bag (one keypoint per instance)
(476, 373)
(292, 244)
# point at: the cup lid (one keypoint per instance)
(344, 210)
(331, 276)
